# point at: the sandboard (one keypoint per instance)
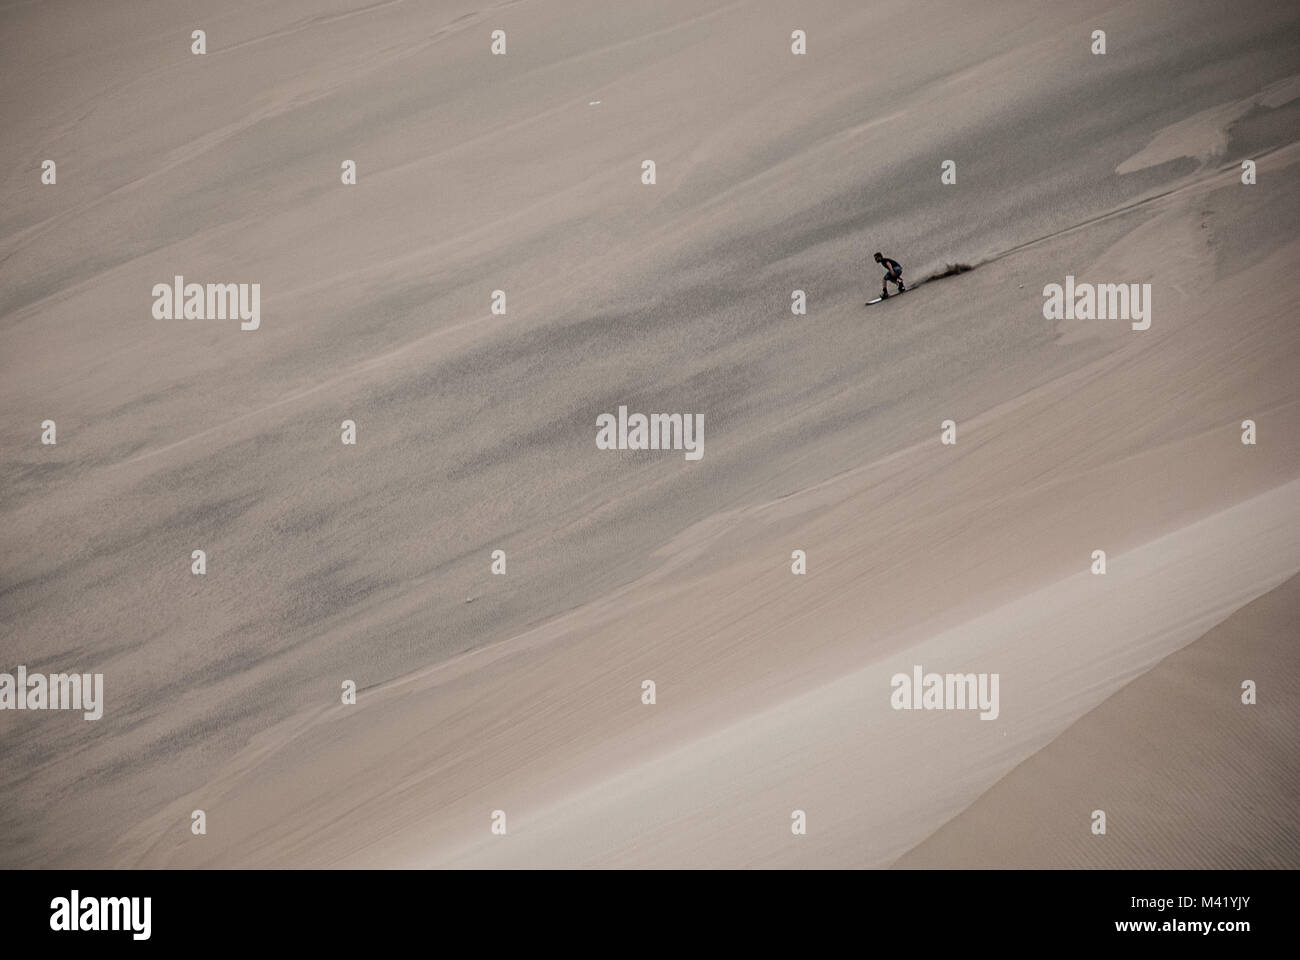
(898, 293)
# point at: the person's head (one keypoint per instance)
(878, 256)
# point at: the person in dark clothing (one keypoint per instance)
(893, 274)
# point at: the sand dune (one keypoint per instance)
(476, 430)
(1212, 783)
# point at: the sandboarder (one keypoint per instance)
(893, 274)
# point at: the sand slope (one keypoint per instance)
(1209, 783)
(476, 431)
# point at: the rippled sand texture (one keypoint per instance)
(476, 431)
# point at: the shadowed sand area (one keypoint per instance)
(476, 431)
(1188, 775)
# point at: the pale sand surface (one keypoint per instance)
(1188, 775)
(477, 431)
